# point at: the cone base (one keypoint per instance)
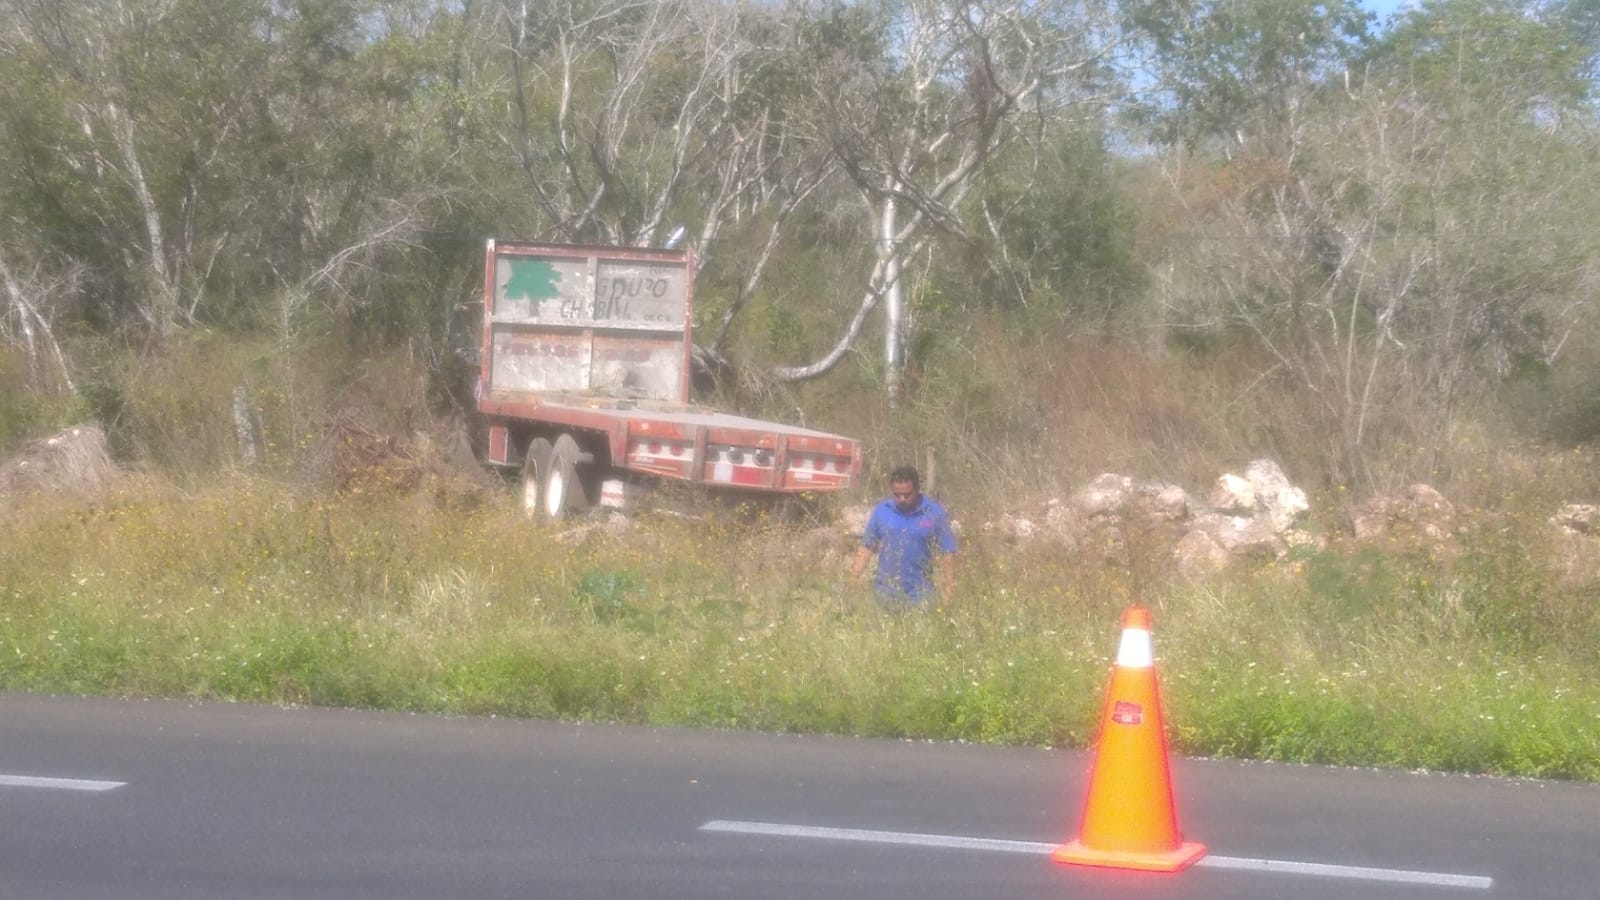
(1077, 854)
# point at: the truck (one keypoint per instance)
(584, 383)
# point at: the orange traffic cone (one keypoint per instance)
(1129, 820)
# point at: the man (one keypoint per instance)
(911, 536)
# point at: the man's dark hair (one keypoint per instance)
(906, 474)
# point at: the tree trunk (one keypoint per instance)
(893, 329)
(160, 305)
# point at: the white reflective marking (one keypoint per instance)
(1438, 879)
(878, 837)
(59, 784)
(1135, 650)
(1401, 876)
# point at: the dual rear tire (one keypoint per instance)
(552, 486)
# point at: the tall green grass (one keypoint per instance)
(1483, 659)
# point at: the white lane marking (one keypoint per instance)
(1401, 876)
(879, 837)
(59, 784)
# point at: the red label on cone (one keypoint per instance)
(1125, 713)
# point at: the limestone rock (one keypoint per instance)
(1282, 502)
(1106, 495)
(1233, 494)
(1578, 518)
(1198, 555)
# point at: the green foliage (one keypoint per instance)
(1556, 403)
(247, 591)
(605, 594)
(1057, 249)
(1234, 68)
(27, 411)
(1494, 50)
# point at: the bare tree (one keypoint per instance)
(27, 320)
(956, 82)
(636, 117)
(621, 104)
(140, 149)
(631, 115)
(1396, 244)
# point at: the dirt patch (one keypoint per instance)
(353, 455)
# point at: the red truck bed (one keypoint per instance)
(697, 444)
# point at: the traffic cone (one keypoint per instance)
(1129, 820)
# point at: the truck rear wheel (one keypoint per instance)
(564, 491)
(535, 469)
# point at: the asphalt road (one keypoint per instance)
(134, 799)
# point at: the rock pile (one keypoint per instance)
(1577, 540)
(1253, 514)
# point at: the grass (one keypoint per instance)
(1480, 660)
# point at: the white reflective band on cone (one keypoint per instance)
(1135, 651)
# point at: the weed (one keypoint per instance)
(245, 589)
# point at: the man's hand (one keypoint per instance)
(858, 565)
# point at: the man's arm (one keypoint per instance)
(945, 572)
(859, 564)
(871, 537)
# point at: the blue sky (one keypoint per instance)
(1384, 8)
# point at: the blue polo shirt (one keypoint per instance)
(905, 543)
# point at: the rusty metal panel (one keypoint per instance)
(539, 361)
(499, 445)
